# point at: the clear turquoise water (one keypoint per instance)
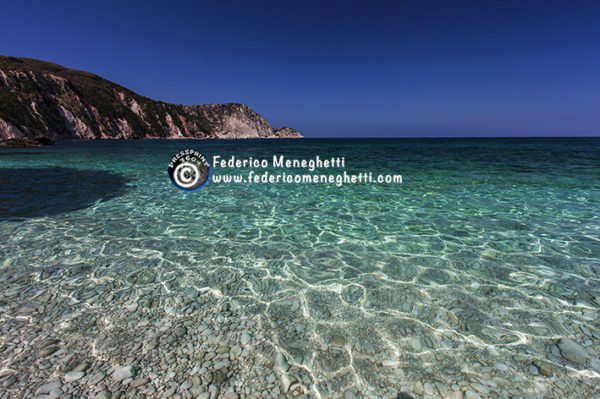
(487, 243)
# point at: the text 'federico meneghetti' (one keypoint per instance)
(279, 161)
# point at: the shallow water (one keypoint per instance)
(489, 249)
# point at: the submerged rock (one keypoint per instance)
(138, 382)
(48, 387)
(47, 351)
(235, 352)
(337, 341)
(245, 339)
(103, 395)
(280, 363)
(595, 364)
(572, 351)
(472, 395)
(96, 378)
(287, 381)
(544, 368)
(124, 372)
(74, 376)
(349, 395)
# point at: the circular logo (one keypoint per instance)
(188, 170)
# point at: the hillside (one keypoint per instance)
(38, 98)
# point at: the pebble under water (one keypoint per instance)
(477, 277)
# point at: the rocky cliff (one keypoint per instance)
(39, 98)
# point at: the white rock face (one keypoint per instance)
(10, 131)
(235, 121)
(173, 130)
(135, 107)
(77, 127)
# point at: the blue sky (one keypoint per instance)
(370, 69)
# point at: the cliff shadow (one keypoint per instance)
(35, 192)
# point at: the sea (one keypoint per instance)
(475, 268)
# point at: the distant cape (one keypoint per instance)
(41, 99)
